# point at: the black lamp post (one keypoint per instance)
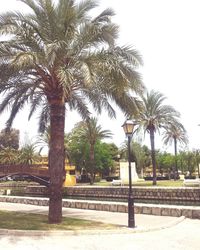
(128, 127)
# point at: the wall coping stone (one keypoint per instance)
(155, 209)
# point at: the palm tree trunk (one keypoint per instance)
(153, 156)
(92, 163)
(56, 161)
(175, 153)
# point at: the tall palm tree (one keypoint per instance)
(57, 57)
(28, 155)
(155, 115)
(175, 133)
(91, 132)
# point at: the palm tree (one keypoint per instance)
(43, 140)
(59, 57)
(27, 154)
(8, 155)
(175, 133)
(91, 132)
(155, 115)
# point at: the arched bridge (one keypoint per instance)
(36, 172)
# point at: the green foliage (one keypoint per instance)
(9, 156)
(9, 138)
(79, 143)
(188, 161)
(104, 162)
(27, 154)
(165, 161)
(140, 154)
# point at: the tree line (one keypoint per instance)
(87, 134)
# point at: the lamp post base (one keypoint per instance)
(131, 213)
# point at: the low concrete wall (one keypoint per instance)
(163, 210)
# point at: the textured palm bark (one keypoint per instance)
(175, 153)
(153, 157)
(56, 161)
(92, 164)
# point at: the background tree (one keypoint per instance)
(43, 140)
(182, 161)
(58, 56)
(103, 160)
(9, 138)
(28, 154)
(90, 133)
(175, 133)
(165, 162)
(191, 163)
(141, 155)
(9, 156)
(155, 115)
(197, 160)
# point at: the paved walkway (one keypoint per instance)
(143, 222)
(152, 232)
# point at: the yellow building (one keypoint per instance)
(70, 178)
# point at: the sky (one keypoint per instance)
(167, 35)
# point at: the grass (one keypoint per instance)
(25, 221)
(167, 183)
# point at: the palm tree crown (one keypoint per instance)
(59, 53)
(91, 131)
(174, 132)
(155, 114)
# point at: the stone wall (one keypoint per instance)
(159, 195)
(153, 209)
(143, 194)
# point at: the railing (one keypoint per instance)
(35, 169)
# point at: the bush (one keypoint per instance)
(190, 177)
(97, 179)
(158, 178)
(111, 178)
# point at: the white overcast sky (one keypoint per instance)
(167, 35)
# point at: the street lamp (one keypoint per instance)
(128, 127)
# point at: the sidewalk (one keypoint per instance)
(143, 222)
(178, 233)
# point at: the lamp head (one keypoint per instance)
(128, 127)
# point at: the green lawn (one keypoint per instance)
(24, 221)
(168, 183)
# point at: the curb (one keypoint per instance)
(122, 230)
